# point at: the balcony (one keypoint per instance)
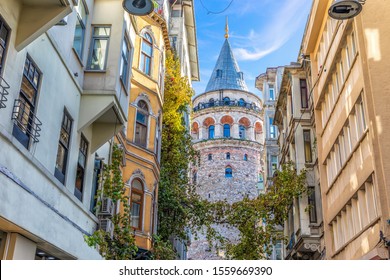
(26, 125)
(223, 103)
(36, 17)
(4, 87)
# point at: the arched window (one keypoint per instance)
(195, 177)
(226, 101)
(219, 73)
(226, 130)
(227, 155)
(146, 54)
(228, 172)
(141, 128)
(245, 157)
(211, 102)
(241, 102)
(242, 130)
(211, 132)
(210, 157)
(136, 204)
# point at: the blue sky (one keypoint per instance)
(263, 33)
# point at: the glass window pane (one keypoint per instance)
(61, 158)
(98, 58)
(78, 40)
(101, 31)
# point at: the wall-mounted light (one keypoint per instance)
(345, 9)
(138, 7)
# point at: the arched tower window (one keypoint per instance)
(219, 73)
(228, 172)
(227, 155)
(226, 101)
(211, 102)
(242, 130)
(146, 54)
(136, 204)
(210, 157)
(246, 157)
(241, 102)
(195, 130)
(211, 131)
(141, 127)
(226, 130)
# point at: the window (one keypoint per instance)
(136, 204)
(99, 48)
(210, 156)
(274, 165)
(195, 177)
(226, 101)
(304, 97)
(141, 128)
(26, 124)
(227, 155)
(219, 73)
(246, 157)
(241, 102)
(312, 204)
(4, 31)
(81, 165)
(353, 44)
(361, 117)
(211, 102)
(228, 172)
(226, 130)
(81, 23)
(125, 62)
(63, 148)
(307, 146)
(242, 130)
(146, 54)
(211, 132)
(271, 93)
(97, 170)
(272, 128)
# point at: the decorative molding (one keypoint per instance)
(138, 173)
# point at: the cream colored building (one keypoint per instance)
(64, 90)
(294, 116)
(349, 70)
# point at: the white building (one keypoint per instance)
(65, 69)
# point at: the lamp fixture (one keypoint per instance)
(345, 9)
(138, 7)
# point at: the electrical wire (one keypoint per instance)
(215, 13)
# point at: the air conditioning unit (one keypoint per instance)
(106, 225)
(107, 207)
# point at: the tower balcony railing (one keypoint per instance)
(26, 120)
(4, 87)
(230, 103)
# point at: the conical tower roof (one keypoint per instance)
(226, 73)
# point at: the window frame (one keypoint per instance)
(66, 125)
(4, 43)
(242, 131)
(144, 55)
(83, 24)
(228, 172)
(83, 151)
(304, 94)
(138, 123)
(125, 80)
(226, 131)
(141, 193)
(311, 198)
(307, 145)
(95, 38)
(211, 132)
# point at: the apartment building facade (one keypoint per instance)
(294, 116)
(349, 66)
(64, 93)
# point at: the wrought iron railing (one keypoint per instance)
(4, 87)
(230, 103)
(26, 119)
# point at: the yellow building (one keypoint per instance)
(350, 70)
(141, 139)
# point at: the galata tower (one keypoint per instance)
(227, 131)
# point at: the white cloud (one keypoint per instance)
(281, 26)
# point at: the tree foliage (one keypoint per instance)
(120, 245)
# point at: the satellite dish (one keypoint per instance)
(345, 9)
(138, 7)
